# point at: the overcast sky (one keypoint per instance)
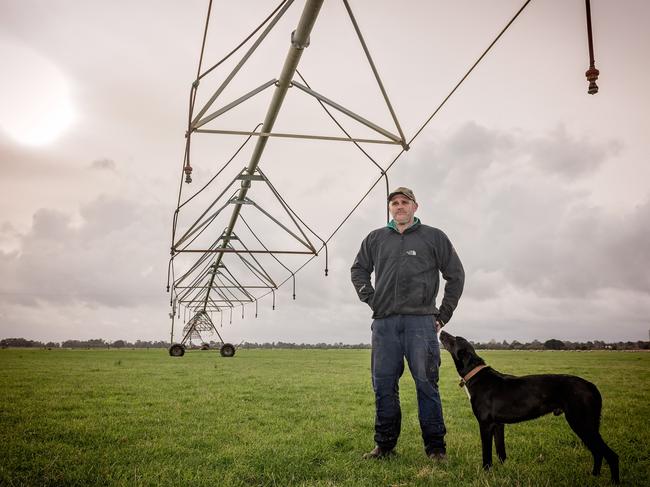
(543, 189)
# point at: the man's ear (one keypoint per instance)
(416, 206)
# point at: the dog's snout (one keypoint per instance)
(446, 338)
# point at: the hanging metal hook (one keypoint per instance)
(326, 260)
(385, 174)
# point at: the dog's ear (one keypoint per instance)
(461, 360)
(462, 356)
(466, 356)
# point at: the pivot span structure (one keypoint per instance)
(239, 263)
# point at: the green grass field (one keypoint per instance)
(286, 417)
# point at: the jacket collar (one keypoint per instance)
(416, 223)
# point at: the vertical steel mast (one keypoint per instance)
(299, 41)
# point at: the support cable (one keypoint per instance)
(227, 56)
(187, 168)
(176, 212)
(341, 126)
(241, 147)
(277, 194)
(363, 151)
(376, 73)
(435, 112)
(293, 275)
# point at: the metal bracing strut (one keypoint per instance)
(299, 41)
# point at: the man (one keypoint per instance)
(407, 258)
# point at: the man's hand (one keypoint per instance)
(439, 325)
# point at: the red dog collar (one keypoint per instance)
(471, 374)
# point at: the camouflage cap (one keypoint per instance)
(403, 191)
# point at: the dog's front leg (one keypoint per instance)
(500, 441)
(487, 432)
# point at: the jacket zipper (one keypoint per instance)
(399, 265)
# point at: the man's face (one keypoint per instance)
(402, 209)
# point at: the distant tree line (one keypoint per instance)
(308, 346)
(555, 344)
(552, 344)
(92, 343)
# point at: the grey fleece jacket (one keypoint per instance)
(407, 269)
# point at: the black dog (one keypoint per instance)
(499, 398)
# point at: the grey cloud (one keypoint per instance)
(568, 156)
(457, 160)
(520, 222)
(116, 257)
(477, 146)
(482, 285)
(582, 254)
(625, 248)
(104, 164)
(22, 165)
(8, 237)
(7, 228)
(107, 214)
(50, 226)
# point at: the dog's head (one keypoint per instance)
(462, 352)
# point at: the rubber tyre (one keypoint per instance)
(227, 350)
(176, 350)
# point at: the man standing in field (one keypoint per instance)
(407, 258)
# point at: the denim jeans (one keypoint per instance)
(413, 337)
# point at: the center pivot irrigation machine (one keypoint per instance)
(236, 239)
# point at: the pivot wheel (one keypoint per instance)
(227, 350)
(177, 350)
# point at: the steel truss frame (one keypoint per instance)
(209, 284)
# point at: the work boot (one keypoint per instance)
(438, 455)
(379, 453)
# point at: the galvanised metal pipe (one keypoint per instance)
(299, 41)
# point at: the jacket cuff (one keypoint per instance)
(443, 318)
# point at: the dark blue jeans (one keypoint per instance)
(413, 337)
